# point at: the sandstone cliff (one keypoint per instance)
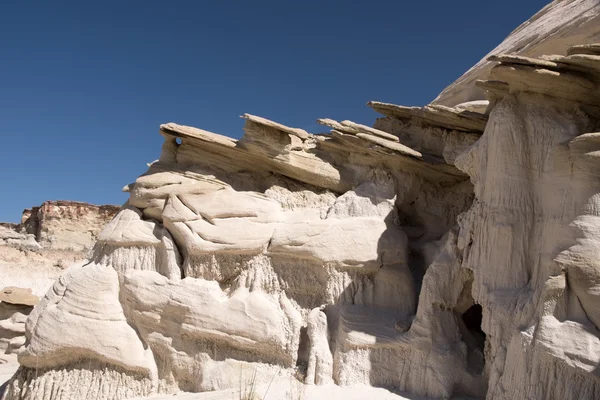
(444, 251)
(66, 225)
(555, 28)
(49, 238)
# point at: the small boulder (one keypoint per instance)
(16, 295)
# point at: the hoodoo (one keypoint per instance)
(449, 250)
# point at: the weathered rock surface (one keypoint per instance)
(15, 305)
(66, 225)
(446, 251)
(553, 30)
(15, 295)
(231, 253)
(49, 238)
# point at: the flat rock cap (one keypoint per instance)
(19, 296)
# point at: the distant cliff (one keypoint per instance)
(49, 238)
(65, 224)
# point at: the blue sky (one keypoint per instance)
(84, 85)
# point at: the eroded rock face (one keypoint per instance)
(536, 205)
(15, 305)
(553, 30)
(49, 238)
(224, 248)
(66, 225)
(445, 251)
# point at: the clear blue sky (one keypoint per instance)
(84, 85)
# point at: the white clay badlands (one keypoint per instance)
(449, 250)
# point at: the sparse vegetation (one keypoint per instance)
(248, 388)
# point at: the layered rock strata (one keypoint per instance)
(15, 305)
(66, 225)
(49, 238)
(268, 251)
(445, 251)
(552, 30)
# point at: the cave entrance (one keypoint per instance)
(474, 337)
(303, 350)
(469, 316)
(472, 319)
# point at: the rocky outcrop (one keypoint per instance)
(49, 238)
(444, 251)
(553, 30)
(532, 226)
(66, 225)
(15, 305)
(231, 253)
(11, 235)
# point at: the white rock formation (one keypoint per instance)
(446, 251)
(15, 305)
(553, 30)
(320, 360)
(225, 247)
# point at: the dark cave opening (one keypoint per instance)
(303, 349)
(472, 319)
(474, 337)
